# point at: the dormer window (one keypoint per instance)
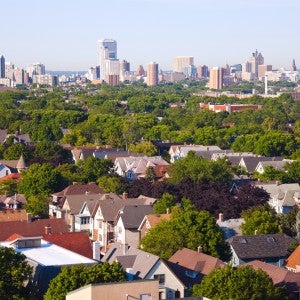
(191, 273)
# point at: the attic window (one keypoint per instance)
(242, 241)
(191, 274)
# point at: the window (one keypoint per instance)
(145, 297)
(160, 278)
(84, 220)
(120, 230)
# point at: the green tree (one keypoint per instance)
(288, 222)
(113, 183)
(71, 278)
(144, 147)
(239, 284)
(38, 205)
(187, 228)
(162, 204)
(41, 179)
(14, 152)
(270, 173)
(150, 174)
(262, 219)
(14, 274)
(8, 187)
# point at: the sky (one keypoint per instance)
(63, 34)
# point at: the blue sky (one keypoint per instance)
(63, 34)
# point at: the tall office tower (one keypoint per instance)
(202, 71)
(294, 68)
(256, 59)
(124, 66)
(36, 69)
(2, 67)
(181, 62)
(140, 71)
(152, 74)
(262, 69)
(216, 78)
(107, 50)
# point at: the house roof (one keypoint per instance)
(33, 228)
(277, 165)
(78, 242)
(154, 219)
(8, 215)
(231, 227)
(133, 215)
(139, 261)
(261, 245)
(3, 135)
(185, 260)
(12, 164)
(11, 176)
(80, 189)
(278, 275)
(293, 261)
(251, 162)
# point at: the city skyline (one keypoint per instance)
(63, 36)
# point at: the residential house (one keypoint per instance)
(58, 199)
(135, 167)
(139, 264)
(46, 258)
(277, 165)
(32, 227)
(127, 223)
(283, 197)
(8, 167)
(141, 289)
(151, 220)
(293, 261)
(230, 227)
(105, 215)
(269, 248)
(13, 215)
(280, 277)
(249, 163)
(13, 202)
(191, 266)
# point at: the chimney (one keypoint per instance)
(29, 217)
(96, 251)
(199, 249)
(125, 196)
(256, 232)
(107, 196)
(124, 248)
(48, 229)
(221, 217)
(168, 210)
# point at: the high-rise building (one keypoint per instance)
(256, 59)
(36, 69)
(294, 68)
(181, 62)
(216, 78)
(140, 71)
(124, 66)
(152, 74)
(2, 67)
(262, 69)
(107, 50)
(202, 71)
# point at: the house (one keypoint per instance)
(59, 198)
(7, 215)
(277, 165)
(139, 264)
(230, 227)
(138, 289)
(249, 163)
(191, 266)
(8, 167)
(32, 227)
(269, 248)
(46, 258)
(127, 223)
(280, 277)
(105, 215)
(293, 261)
(135, 167)
(13, 202)
(283, 197)
(150, 220)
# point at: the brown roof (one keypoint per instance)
(278, 275)
(8, 215)
(80, 189)
(33, 228)
(186, 260)
(11, 176)
(294, 259)
(78, 242)
(154, 219)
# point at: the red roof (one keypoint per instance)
(13, 237)
(294, 260)
(78, 242)
(33, 228)
(11, 176)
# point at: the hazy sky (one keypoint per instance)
(63, 34)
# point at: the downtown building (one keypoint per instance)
(216, 78)
(152, 74)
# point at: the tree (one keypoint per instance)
(113, 183)
(144, 147)
(41, 179)
(71, 278)
(8, 187)
(14, 152)
(92, 168)
(150, 174)
(270, 173)
(262, 219)
(239, 284)
(14, 274)
(187, 228)
(288, 222)
(162, 204)
(38, 205)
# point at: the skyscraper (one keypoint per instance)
(107, 50)
(2, 67)
(181, 62)
(216, 78)
(294, 68)
(152, 74)
(256, 59)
